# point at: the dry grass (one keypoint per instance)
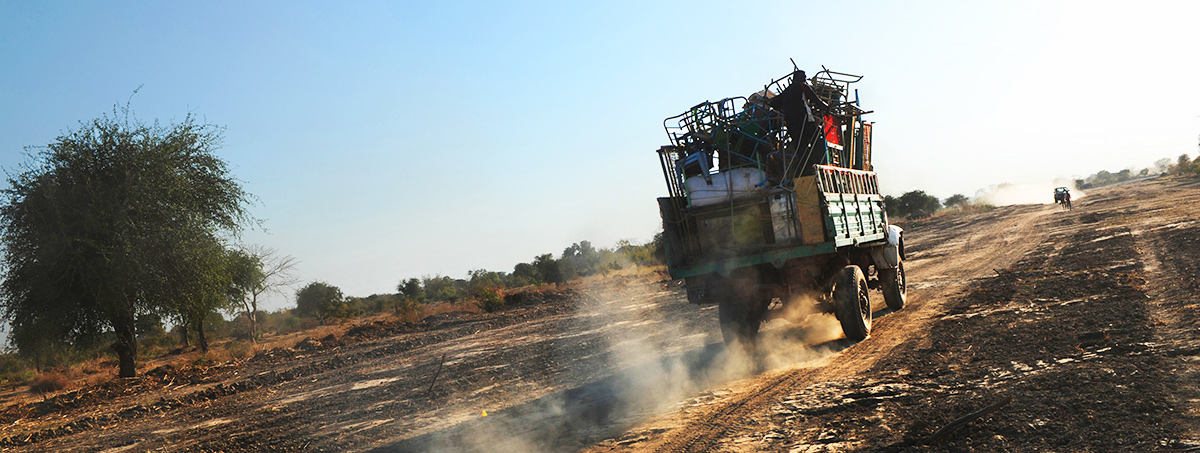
(240, 349)
(438, 308)
(51, 381)
(99, 370)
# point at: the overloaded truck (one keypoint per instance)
(773, 202)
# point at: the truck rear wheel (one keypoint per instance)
(740, 320)
(895, 289)
(852, 303)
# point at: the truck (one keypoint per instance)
(774, 207)
(1062, 196)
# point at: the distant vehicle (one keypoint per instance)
(773, 197)
(1062, 196)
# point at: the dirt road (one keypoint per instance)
(1086, 319)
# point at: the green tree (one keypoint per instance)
(481, 279)
(100, 227)
(912, 202)
(319, 300)
(411, 289)
(524, 274)
(891, 205)
(200, 267)
(441, 288)
(548, 268)
(956, 200)
(1185, 166)
(659, 247)
(580, 258)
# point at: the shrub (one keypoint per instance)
(240, 349)
(489, 299)
(14, 370)
(409, 310)
(50, 382)
(203, 360)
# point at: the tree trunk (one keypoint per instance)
(253, 328)
(254, 318)
(201, 340)
(126, 349)
(183, 335)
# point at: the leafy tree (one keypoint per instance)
(659, 247)
(411, 289)
(319, 300)
(956, 200)
(351, 307)
(481, 279)
(1162, 165)
(1104, 178)
(442, 288)
(548, 268)
(1186, 166)
(580, 258)
(200, 268)
(891, 205)
(524, 274)
(257, 270)
(104, 225)
(490, 299)
(917, 200)
(640, 255)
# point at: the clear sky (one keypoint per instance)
(388, 140)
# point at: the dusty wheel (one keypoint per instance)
(852, 303)
(895, 291)
(740, 320)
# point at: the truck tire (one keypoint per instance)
(894, 287)
(852, 303)
(740, 320)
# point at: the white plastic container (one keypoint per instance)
(735, 184)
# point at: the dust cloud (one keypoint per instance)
(659, 351)
(1029, 193)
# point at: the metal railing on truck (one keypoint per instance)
(854, 211)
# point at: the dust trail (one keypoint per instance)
(660, 352)
(1029, 193)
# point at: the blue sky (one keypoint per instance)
(388, 140)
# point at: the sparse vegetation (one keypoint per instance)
(240, 349)
(490, 299)
(1180, 166)
(50, 381)
(236, 276)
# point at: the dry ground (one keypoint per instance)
(1085, 320)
